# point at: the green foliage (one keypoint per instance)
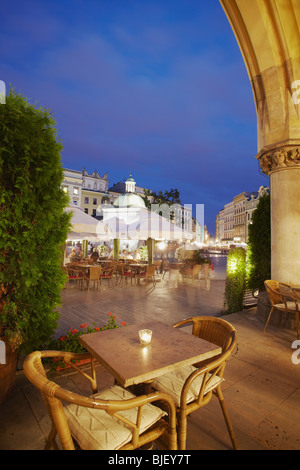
(235, 280)
(33, 223)
(69, 342)
(259, 245)
(168, 197)
(143, 251)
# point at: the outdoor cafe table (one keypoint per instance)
(138, 267)
(120, 352)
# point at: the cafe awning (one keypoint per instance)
(149, 224)
(85, 227)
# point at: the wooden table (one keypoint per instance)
(120, 352)
(137, 268)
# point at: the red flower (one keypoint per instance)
(97, 328)
(62, 338)
(114, 317)
(83, 325)
(108, 314)
(123, 323)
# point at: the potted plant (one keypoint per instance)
(69, 342)
(143, 251)
(33, 228)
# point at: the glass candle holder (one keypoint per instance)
(145, 337)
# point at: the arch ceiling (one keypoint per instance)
(268, 34)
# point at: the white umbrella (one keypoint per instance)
(82, 222)
(85, 227)
(148, 225)
(92, 237)
(153, 225)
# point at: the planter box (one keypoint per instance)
(68, 366)
(8, 372)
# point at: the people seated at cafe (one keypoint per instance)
(137, 255)
(94, 255)
(123, 255)
(73, 255)
(129, 256)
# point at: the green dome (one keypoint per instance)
(130, 179)
(129, 200)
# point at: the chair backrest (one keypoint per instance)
(53, 396)
(150, 270)
(273, 291)
(74, 273)
(109, 270)
(196, 268)
(219, 332)
(95, 273)
(213, 329)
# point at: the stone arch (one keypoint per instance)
(268, 34)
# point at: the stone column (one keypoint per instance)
(283, 166)
(268, 34)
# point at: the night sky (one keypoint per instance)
(158, 89)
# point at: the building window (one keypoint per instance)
(94, 212)
(75, 203)
(86, 210)
(75, 190)
(95, 201)
(86, 200)
(65, 189)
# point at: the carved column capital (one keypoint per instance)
(279, 158)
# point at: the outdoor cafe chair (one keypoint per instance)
(113, 419)
(165, 267)
(148, 274)
(108, 273)
(192, 272)
(93, 274)
(158, 264)
(192, 387)
(283, 298)
(126, 272)
(75, 275)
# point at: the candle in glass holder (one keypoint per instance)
(145, 337)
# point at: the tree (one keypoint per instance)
(259, 244)
(169, 198)
(33, 223)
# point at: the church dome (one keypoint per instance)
(129, 200)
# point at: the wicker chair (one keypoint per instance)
(108, 273)
(149, 274)
(165, 267)
(93, 275)
(158, 264)
(192, 387)
(192, 272)
(126, 272)
(75, 275)
(109, 420)
(285, 299)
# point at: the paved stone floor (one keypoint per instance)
(170, 300)
(261, 388)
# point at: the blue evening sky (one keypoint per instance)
(156, 88)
